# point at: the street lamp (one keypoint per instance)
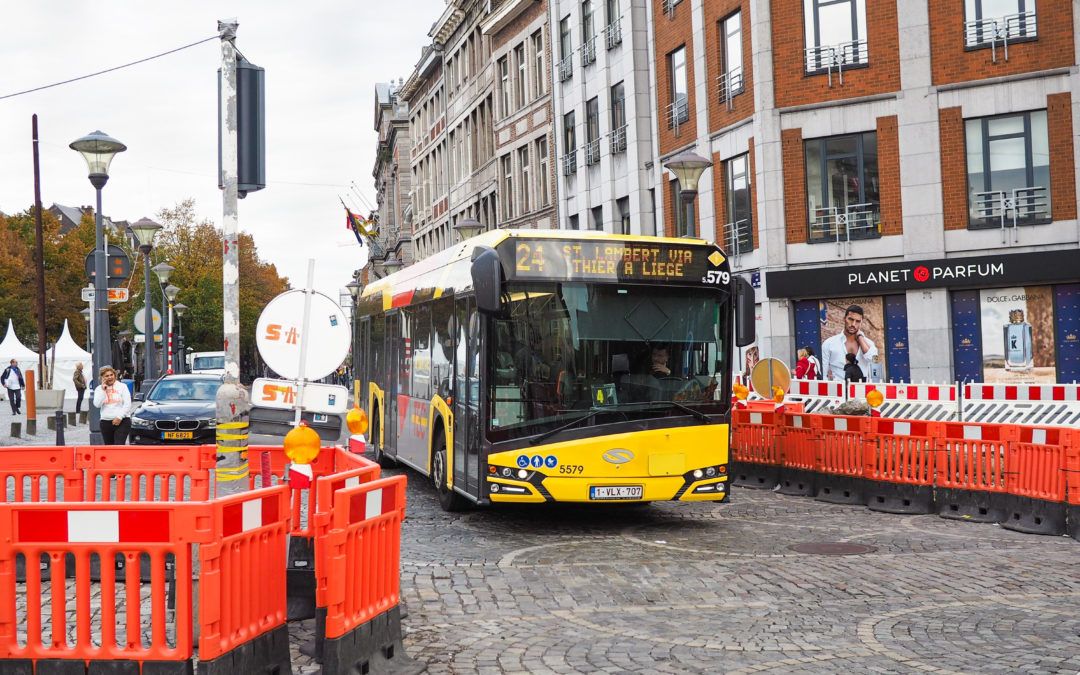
(468, 228)
(170, 295)
(354, 287)
(86, 317)
(180, 308)
(163, 270)
(144, 230)
(98, 149)
(688, 168)
(392, 265)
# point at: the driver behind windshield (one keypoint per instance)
(660, 362)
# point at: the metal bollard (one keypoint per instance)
(16, 429)
(59, 427)
(71, 419)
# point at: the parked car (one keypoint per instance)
(179, 409)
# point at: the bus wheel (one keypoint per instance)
(448, 499)
(376, 444)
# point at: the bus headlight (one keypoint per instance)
(523, 474)
(698, 473)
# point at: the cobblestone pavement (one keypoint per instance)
(699, 588)
(684, 588)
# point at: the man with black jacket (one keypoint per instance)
(12, 379)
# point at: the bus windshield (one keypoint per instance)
(564, 351)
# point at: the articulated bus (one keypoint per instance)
(555, 366)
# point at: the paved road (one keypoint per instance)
(675, 588)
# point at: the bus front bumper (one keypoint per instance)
(600, 490)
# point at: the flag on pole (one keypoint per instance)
(357, 224)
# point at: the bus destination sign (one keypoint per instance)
(616, 261)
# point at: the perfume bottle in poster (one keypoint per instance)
(1018, 351)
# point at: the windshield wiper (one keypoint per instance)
(574, 422)
(697, 414)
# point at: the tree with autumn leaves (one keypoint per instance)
(191, 246)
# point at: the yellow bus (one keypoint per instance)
(555, 366)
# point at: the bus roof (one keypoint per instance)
(560, 255)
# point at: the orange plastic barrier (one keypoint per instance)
(146, 473)
(904, 451)
(841, 458)
(972, 456)
(83, 532)
(798, 442)
(752, 438)
(242, 580)
(363, 552)
(1036, 480)
(40, 474)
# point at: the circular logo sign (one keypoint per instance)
(921, 274)
(279, 335)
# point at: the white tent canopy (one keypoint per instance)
(66, 355)
(11, 348)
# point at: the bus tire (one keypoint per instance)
(448, 499)
(376, 442)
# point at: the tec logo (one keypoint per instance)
(537, 461)
(921, 273)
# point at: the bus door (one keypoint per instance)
(393, 385)
(362, 362)
(467, 438)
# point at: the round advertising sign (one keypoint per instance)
(140, 319)
(279, 332)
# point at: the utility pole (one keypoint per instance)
(233, 403)
(39, 259)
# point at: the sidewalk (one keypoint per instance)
(73, 435)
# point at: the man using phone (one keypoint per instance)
(852, 340)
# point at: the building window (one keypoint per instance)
(544, 182)
(730, 81)
(504, 85)
(592, 131)
(618, 118)
(842, 188)
(683, 210)
(539, 72)
(835, 34)
(993, 22)
(598, 218)
(573, 221)
(519, 84)
(566, 50)
(623, 204)
(508, 187)
(569, 144)
(1008, 163)
(738, 235)
(588, 34)
(613, 31)
(523, 164)
(678, 110)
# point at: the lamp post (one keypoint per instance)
(144, 230)
(86, 317)
(170, 295)
(164, 270)
(180, 308)
(98, 149)
(354, 287)
(468, 228)
(687, 168)
(392, 265)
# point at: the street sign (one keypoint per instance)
(115, 294)
(140, 338)
(140, 319)
(117, 265)
(281, 395)
(278, 335)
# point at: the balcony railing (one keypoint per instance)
(836, 57)
(1001, 30)
(1005, 210)
(569, 163)
(842, 224)
(678, 113)
(592, 152)
(739, 237)
(618, 140)
(613, 34)
(729, 85)
(669, 7)
(588, 51)
(566, 69)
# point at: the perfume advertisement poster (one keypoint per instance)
(873, 325)
(1018, 335)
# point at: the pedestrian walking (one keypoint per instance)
(13, 381)
(114, 399)
(80, 386)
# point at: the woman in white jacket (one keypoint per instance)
(114, 399)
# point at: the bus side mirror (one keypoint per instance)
(744, 312)
(487, 279)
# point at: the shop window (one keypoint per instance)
(738, 232)
(835, 35)
(1008, 163)
(996, 23)
(842, 189)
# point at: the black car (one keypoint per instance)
(178, 409)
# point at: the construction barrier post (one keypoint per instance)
(1072, 479)
(899, 465)
(799, 446)
(1035, 480)
(754, 457)
(971, 471)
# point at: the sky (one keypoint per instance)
(322, 60)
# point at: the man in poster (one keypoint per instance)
(851, 341)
